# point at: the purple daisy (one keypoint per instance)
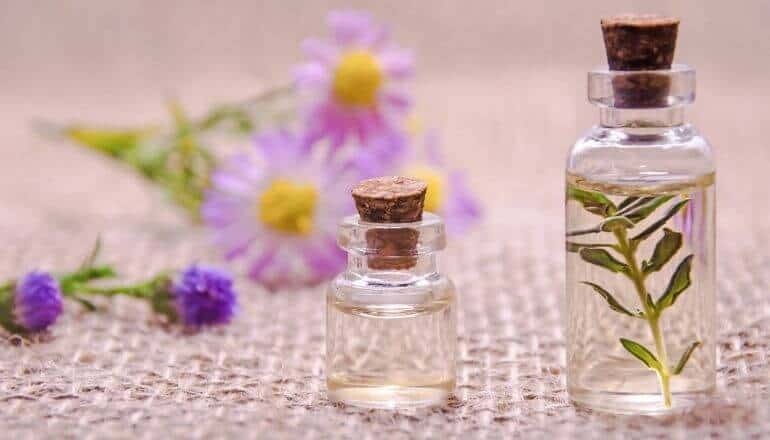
(204, 296)
(354, 81)
(277, 211)
(448, 192)
(37, 301)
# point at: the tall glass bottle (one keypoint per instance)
(390, 317)
(640, 235)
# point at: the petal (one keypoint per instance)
(311, 75)
(462, 208)
(432, 150)
(351, 27)
(320, 51)
(280, 148)
(398, 101)
(397, 64)
(325, 259)
(239, 249)
(230, 183)
(259, 266)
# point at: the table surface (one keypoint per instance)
(120, 374)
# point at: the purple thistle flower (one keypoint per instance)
(204, 296)
(37, 301)
(353, 81)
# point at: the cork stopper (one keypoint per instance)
(391, 200)
(640, 42)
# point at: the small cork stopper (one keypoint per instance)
(640, 42)
(391, 200)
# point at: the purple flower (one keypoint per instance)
(204, 296)
(277, 210)
(37, 301)
(353, 81)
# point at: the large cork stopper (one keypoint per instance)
(640, 42)
(391, 200)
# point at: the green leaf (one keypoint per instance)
(665, 249)
(593, 202)
(650, 302)
(626, 202)
(685, 357)
(93, 255)
(680, 281)
(114, 143)
(162, 301)
(594, 230)
(70, 283)
(662, 221)
(602, 258)
(642, 211)
(641, 353)
(635, 204)
(91, 307)
(7, 318)
(575, 247)
(611, 301)
(615, 223)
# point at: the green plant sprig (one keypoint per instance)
(177, 158)
(619, 220)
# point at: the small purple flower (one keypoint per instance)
(204, 296)
(353, 81)
(37, 301)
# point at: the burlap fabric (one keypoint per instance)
(121, 374)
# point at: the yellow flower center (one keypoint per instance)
(288, 207)
(434, 197)
(357, 79)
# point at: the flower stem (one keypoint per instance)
(652, 316)
(141, 290)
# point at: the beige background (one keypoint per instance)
(504, 81)
(503, 78)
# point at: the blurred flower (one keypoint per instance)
(37, 301)
(278, 209)
(354, 80)
(201, 296)
(448, 192)
(204, 296)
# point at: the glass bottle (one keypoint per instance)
(640, 245)
(390, 320)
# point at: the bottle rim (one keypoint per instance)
(353, 233)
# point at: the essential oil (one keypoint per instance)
(390, 317)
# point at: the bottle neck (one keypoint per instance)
(645, 119)
(361, 267)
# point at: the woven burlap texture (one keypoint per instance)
(122, 374)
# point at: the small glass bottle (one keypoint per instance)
(640, 233)
(390, 317)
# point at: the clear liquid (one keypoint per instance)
(602, 373)
(391, 351)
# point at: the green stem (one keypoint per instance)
(652, 316)
(141, 290)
